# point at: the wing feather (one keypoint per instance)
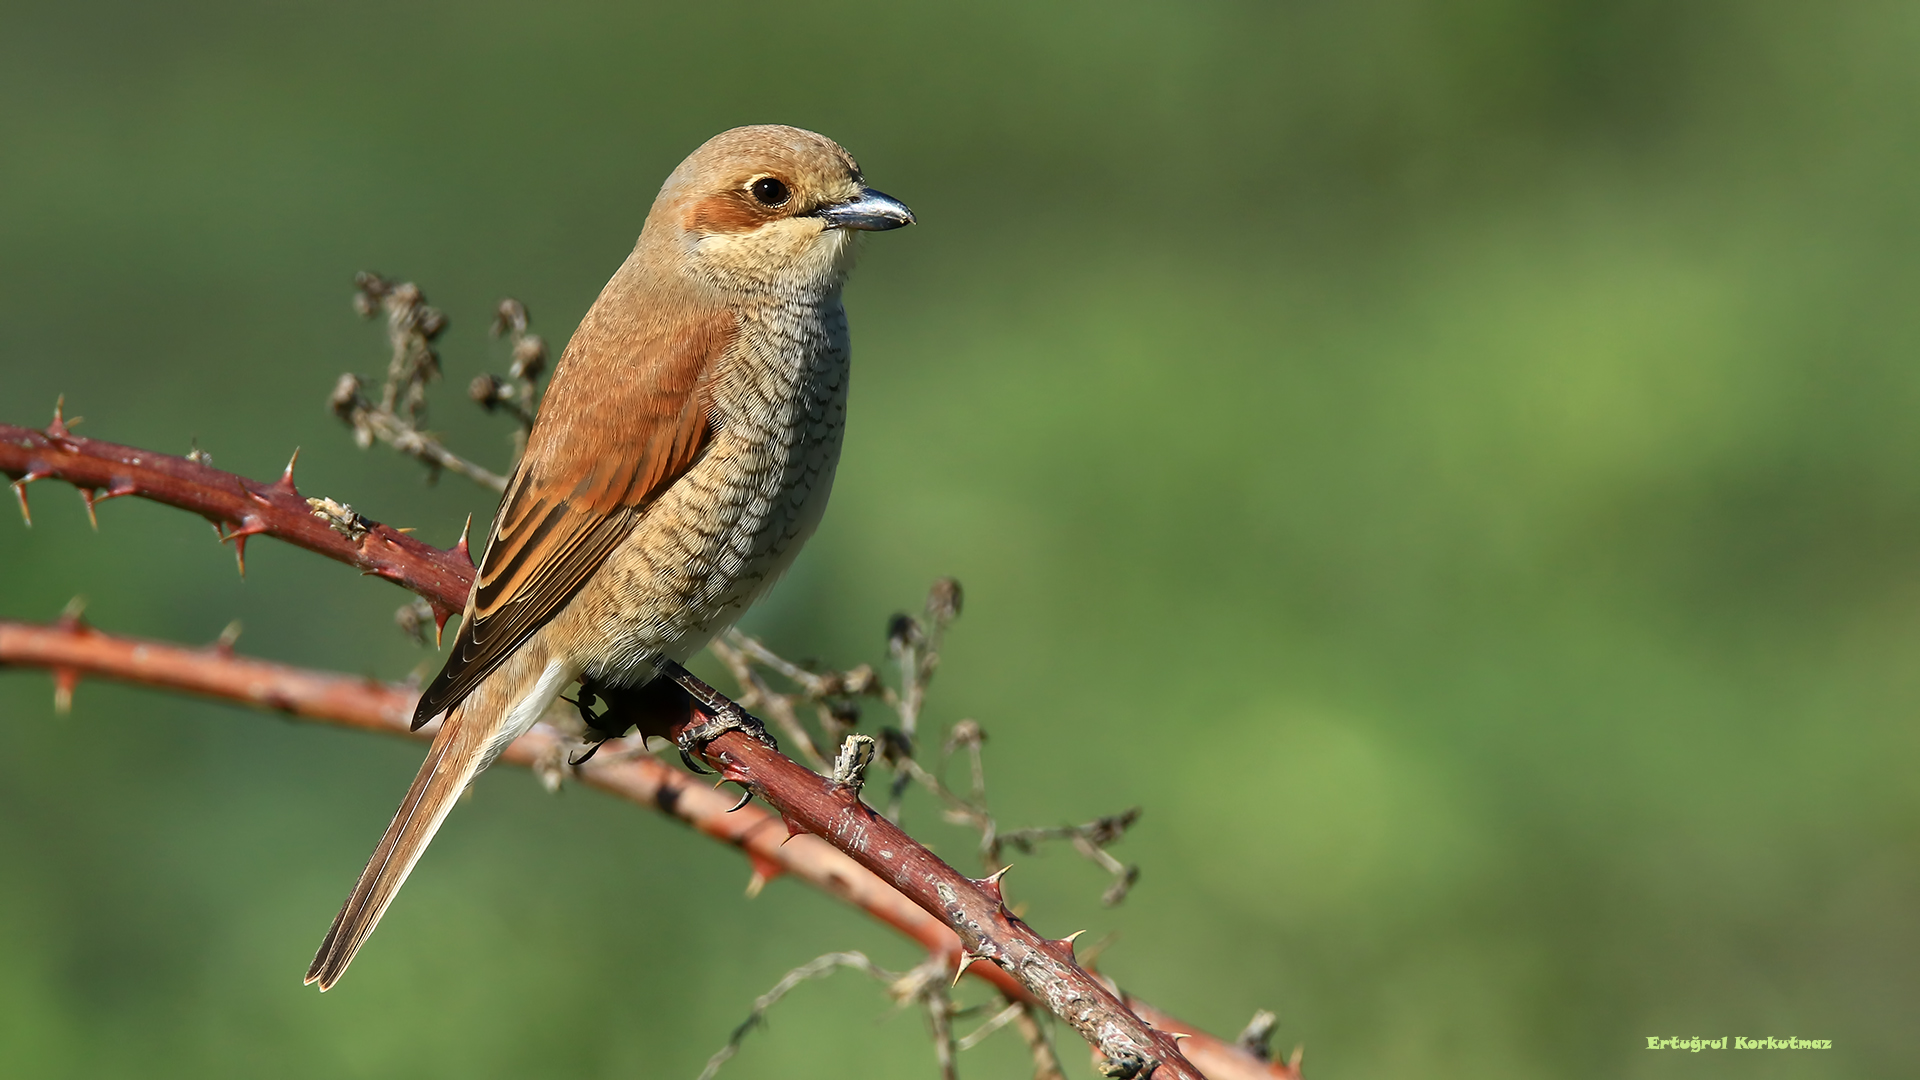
(625, 417)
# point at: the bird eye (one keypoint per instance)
(769, 191)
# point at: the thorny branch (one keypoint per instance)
(807, 801)
(1040, 970)
(71, 650)
(835, 697)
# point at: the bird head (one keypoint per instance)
(768, 205)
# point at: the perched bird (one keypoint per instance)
(682, 455)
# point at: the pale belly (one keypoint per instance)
(723, 534)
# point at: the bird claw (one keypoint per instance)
(694, 738)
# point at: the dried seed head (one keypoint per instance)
(509, 317)
(431, 321)
(529, 357)
(903, 633)
(345, 397)
(860, 680)
(488, 391)
(943, 601)
(895, 746)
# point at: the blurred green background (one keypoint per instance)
(1453, 464)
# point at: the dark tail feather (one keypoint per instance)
(451, 763)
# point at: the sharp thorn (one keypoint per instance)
(230, 634)
(1069, 939)
(64, 681)
(72, 617)
(86, 496)
(58, 430)
(991, 883)
(440, 617)
(461, 548)
(20, 492)
(285, 483)
(756, 883)
(240, 551)
(966, 961)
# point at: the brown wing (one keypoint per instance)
(626, 415)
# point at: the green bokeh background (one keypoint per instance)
(1453, 464)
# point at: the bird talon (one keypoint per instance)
(592, 749)
(745, 798)
(694, 738)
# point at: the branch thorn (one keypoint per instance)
(764, 870)
(20, 492)
(461, 549)
(86, 496)
(72, 617)
(64, 681)
(224, 643)
(60, 431)
(991, 883)
(966, 961)
(285, 483)
(251, 526)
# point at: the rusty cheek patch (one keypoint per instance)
(731, 212)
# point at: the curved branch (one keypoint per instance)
(1044, 970)
(71, 649)
(245, 508)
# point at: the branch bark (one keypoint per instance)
(894, 877)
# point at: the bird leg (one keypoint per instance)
(718, 715)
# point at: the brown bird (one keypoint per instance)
(682, 455)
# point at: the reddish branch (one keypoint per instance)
(912, 883)
(239, 508)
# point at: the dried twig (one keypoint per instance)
(394, 419)
(915, 645)
(818, 967)
(1046, 1062)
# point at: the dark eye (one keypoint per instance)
(769, 191)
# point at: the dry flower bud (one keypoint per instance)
(509, 316)
(903, 632)
(488, 390)
(943, 601)
(529, 357)
(345, 396)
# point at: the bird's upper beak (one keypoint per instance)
(870, 210)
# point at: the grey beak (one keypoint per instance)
(870, 210)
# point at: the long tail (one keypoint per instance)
(469, 739)
(454, 760)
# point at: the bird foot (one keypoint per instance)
(693, 739)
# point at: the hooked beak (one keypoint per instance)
(870, 210)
